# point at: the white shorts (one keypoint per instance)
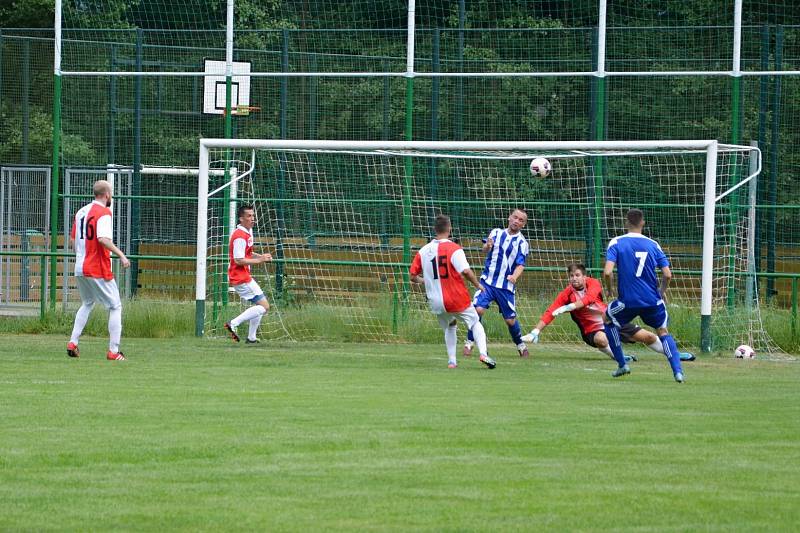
(98, 290)
(468, 316)
(249, 291)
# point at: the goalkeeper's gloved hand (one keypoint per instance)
(533, 336)
(564, 309)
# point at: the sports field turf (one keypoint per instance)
(206, 435)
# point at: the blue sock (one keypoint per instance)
(612, 332)
(672, 353)
(516, 332)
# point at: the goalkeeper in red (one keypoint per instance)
(442, 266)
(583, 300)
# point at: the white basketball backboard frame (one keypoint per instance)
(214, 86)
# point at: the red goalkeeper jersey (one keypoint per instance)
(589, 318)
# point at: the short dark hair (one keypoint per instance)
(242, 209)
(635, 217)
(576, 266)
(441, 224)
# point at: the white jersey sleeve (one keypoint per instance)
(239, 247)
(459, 261)
(105, 227)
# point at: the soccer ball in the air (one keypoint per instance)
(540, 167)
(744, 352)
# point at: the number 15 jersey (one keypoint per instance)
(637, 258)
(92, 259)
(441, 263)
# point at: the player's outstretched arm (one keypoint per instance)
(470, 275)
(109, 245)
(514, 276)
(666, 277)
(608, 279)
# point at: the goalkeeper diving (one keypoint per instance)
(583, 300)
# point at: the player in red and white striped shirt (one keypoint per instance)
(92, 236)
(583, 300)
(241, 255)
(442, 266)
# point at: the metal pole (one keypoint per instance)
(772, 200)
(763, 102)
(202, 242)
(706, 340)
(751, 229)
(408, 164)
(26, 99)
(137, 164)
(56, 154)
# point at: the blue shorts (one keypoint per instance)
(655, 316)
(504, 299)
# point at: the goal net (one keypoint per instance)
(342, 220)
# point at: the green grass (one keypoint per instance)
(205, 435)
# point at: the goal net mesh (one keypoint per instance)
(342, 227)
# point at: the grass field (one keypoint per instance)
(206, 435)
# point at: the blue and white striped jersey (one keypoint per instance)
(508, 252)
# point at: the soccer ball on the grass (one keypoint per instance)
(744, 352)
(540, 167)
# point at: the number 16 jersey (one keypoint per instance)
(92, 259)
(441, 263)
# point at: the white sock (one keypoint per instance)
(81, 317)
(450, 342)
(607, 351)
(248, 314)
(254, 322)
(657, 346)
(114, 329)
(480, 338)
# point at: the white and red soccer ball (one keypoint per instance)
(541, 167)
(744, 352)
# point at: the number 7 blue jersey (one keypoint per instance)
(637, 258)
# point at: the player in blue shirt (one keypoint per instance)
(506, 251)
(639, 293)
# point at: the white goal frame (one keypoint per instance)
(593, 148)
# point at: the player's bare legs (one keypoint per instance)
(470, 342)
(654, 343)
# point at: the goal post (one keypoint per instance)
(477, 183)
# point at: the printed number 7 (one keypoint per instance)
(642, 256)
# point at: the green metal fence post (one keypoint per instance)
(794, 309)
(284, 131)
(112, 107)
(462, 16)
(733, 200)
(598, 123)
(763, 101)
(54, 187)
(435, 85)
(772, 200)
(26, 99)
(137, 165)
(43, 288)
